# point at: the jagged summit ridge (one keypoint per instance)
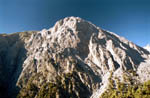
(71, 32)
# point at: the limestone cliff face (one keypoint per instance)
(74, 50)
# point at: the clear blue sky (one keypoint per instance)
(128, 18)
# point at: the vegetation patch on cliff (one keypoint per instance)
(123, 90)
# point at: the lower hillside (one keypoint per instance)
(74, 84)
(124, 90)
(68, 86)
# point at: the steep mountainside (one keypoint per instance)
(73, 59)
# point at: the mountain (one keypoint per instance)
(73, 59)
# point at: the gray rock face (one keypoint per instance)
(73, 45)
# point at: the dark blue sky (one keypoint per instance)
(128, 18)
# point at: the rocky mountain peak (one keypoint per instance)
(78, 58)
(74, 23)
(95, 50)
(69, 33)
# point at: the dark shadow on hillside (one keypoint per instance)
(12, 56)
(85, 31)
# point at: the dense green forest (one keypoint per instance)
(122, 90)
(61, 87)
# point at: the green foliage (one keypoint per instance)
(128, 91)
(65, 86)
(29, 91)
(48, 90)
